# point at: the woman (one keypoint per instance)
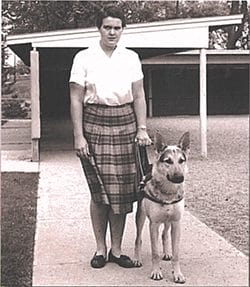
(108, 113)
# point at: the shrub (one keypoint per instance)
(7, 88)
(13, 109)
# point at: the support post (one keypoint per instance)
(203, 102)
(35, 105)
(150, 94)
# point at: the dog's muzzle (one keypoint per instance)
(176, 178)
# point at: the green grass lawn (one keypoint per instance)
(18, 222)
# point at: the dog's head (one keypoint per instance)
(171, 160)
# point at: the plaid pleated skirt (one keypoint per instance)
(111, 171)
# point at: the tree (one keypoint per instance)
(238, 32)
(7, 86)
(40, 16)
(4, 55)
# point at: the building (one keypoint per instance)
(178, 42)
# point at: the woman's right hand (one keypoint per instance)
(81, 147)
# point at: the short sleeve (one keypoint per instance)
(78, 70)
(136, 69)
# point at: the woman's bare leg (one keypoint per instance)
(99, 217)
(117, 224)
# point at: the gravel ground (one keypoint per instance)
(217, 187)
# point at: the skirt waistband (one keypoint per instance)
(107, 106)
(108, 115)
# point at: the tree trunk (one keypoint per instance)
(235, 31)
(177, 8)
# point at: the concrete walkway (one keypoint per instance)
(64, 242)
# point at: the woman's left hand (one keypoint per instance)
(142, 138)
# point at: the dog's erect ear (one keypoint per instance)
(158, 141)
(184, 142)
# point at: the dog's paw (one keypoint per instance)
(137, 263)
(179, 278)
(156, 274)
(167, 257)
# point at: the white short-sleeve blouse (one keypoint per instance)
(107, 80)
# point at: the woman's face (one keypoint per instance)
(110, 31)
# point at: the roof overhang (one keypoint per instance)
(177, 33)
(193, 57)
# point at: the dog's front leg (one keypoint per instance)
(156, 273)
(166, 242)
(176, 234)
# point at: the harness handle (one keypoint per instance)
(144, 166)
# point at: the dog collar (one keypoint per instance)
(162, 202)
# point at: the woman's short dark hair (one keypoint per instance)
(110, 11)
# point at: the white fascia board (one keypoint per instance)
(182, 38)
(50, 36)
(39, 39)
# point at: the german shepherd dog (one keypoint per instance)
(163, 203)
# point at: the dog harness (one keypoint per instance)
(151, 197)
(147, 177)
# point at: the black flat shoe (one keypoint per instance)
(123, 260)
(98, 261)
